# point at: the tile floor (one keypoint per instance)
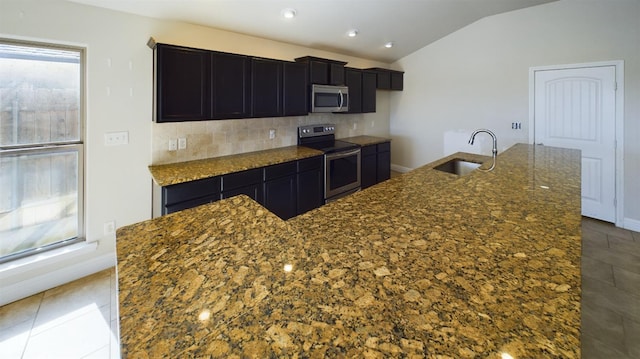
(78, 320)
(75, 320)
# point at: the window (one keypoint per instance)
(41, 147)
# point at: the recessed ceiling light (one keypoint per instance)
(352, 33)
(389, 44)
(288, 13)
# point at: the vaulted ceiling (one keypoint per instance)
(323, 24)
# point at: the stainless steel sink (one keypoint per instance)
(458, 166)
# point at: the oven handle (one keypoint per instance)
(333, 156)
(341, 100)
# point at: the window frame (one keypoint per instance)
(61, 146)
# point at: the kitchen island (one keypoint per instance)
(426, 264)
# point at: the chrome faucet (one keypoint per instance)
(494, 151)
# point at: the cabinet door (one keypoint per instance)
(231, 86)
(280, 196)
(336, 74)
(190, 194)
(190, 190)
(266, 87)
(368, 166)
(354, 82)
(247, 182)
(170, 208)
(383, 80)
(295, 92)
(254, 191)
(310, 184)
(319, 72)
(368, 92)
(384, 161)
(397, 80)
(182, 84)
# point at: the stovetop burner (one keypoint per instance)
(322, 138)
(330, 146)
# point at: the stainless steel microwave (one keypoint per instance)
(326, 98)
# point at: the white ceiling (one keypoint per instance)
(323, 24)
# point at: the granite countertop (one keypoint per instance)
(365, 140)
(174, 173)
(426, 264)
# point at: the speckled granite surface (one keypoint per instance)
(365, 140)
(174, 173)
(426, 264)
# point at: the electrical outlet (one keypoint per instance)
(272, 134)
(173, 144)
(116, 138)
(182, 143)
(109, 227)
(355, 125)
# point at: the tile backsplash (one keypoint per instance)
(225, 137)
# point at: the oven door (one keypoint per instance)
(342, 172)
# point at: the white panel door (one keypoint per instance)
(575, 108)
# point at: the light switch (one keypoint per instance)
(173, 144)
(182, 143)
(116, 138)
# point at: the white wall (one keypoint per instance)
(119, 98)
(478, 77)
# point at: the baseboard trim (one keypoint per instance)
(16, 291)
(400, 169)
(631, 224)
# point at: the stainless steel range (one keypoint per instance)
(341, 159)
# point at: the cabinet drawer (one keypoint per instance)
(254, 191)
(189, 190)
(310, 163)
(384, 147)
(175, 207)
(241, 179)
(368, 150)
(280, 170)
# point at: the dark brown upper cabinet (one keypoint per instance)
(266, 87)
(368, 91)
(324, 71)
(388, 79)
(362, 90)
(182, 83)
(397, 80)
(295, 91)
(354, 82)
(194, 84)
(231, 85)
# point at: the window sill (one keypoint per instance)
(45, 259)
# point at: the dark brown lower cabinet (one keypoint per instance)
(310, 184)
(286, 189)
(280, 189)
(383, 162)
(247, 182)
(190, 194)
(375, 164)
